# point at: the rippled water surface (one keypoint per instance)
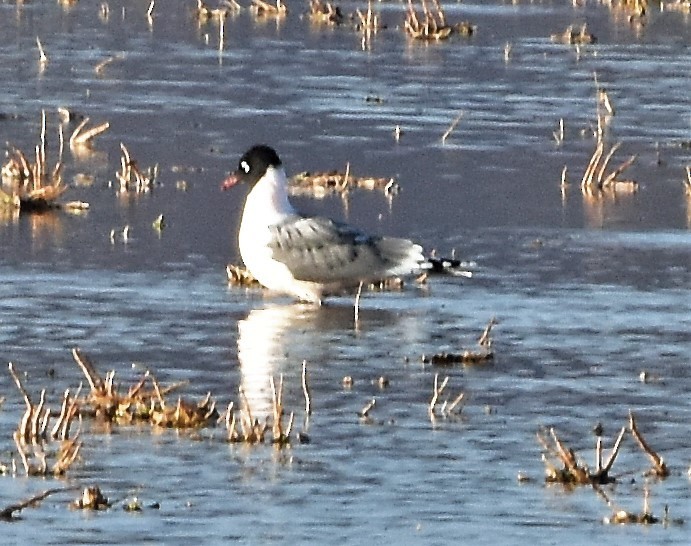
(588, 292)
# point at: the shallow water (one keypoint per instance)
(588, 293)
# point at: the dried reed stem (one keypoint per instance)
(659, 466)
(42, 57)
(615, 451)
(453, 125)
(305, 389)
(88, 369)
(357, 303)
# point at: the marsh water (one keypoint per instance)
(588, 292)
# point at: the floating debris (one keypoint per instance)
(364, 412)
(573, 36)
(159, 223)
(132, 505)
(646, 517)
(91, 499)
(466, 357)
(321, 184)
(239, 276)
(7, 513)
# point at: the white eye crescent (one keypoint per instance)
(245, 166)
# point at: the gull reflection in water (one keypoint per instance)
(275, 340)
(268, 339)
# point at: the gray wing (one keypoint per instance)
(322, 250)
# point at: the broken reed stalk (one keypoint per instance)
(575, 473)
(42, 57)
(604, 470)
(31, 434)
(364, 412)
(440, 13)
(21, 388)
(594, 178)
(587, 180)
(438, 389)
(604, 163)
(486, 339)
(611, 178)
(306, 390)
(84, 138)
(131, 176)
(447, 408)
(88, 369)
(7, 513)
(659, 467)
(277, 407)
(453, 125)
(572, 471)
(357, 303)
(452, 406)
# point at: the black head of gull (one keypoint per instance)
(308, 257)
(253, 165)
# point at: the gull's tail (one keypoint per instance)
(404, 257)
(447, 266)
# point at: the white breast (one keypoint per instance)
(266, 205)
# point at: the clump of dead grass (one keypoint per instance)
(32, 185)
(321, 184)
(325, 13)
(431, 25)
(144, 401)
(466, 356)
(37, 441)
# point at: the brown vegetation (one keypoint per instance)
(321, 184)
(431, 25)
(466, 356)
(574, 471)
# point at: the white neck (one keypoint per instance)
(269, 197)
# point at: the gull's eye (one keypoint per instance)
(245, 167)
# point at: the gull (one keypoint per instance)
(312, 257)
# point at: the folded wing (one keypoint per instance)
(322, 250)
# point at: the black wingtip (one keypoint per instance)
(448, 266)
